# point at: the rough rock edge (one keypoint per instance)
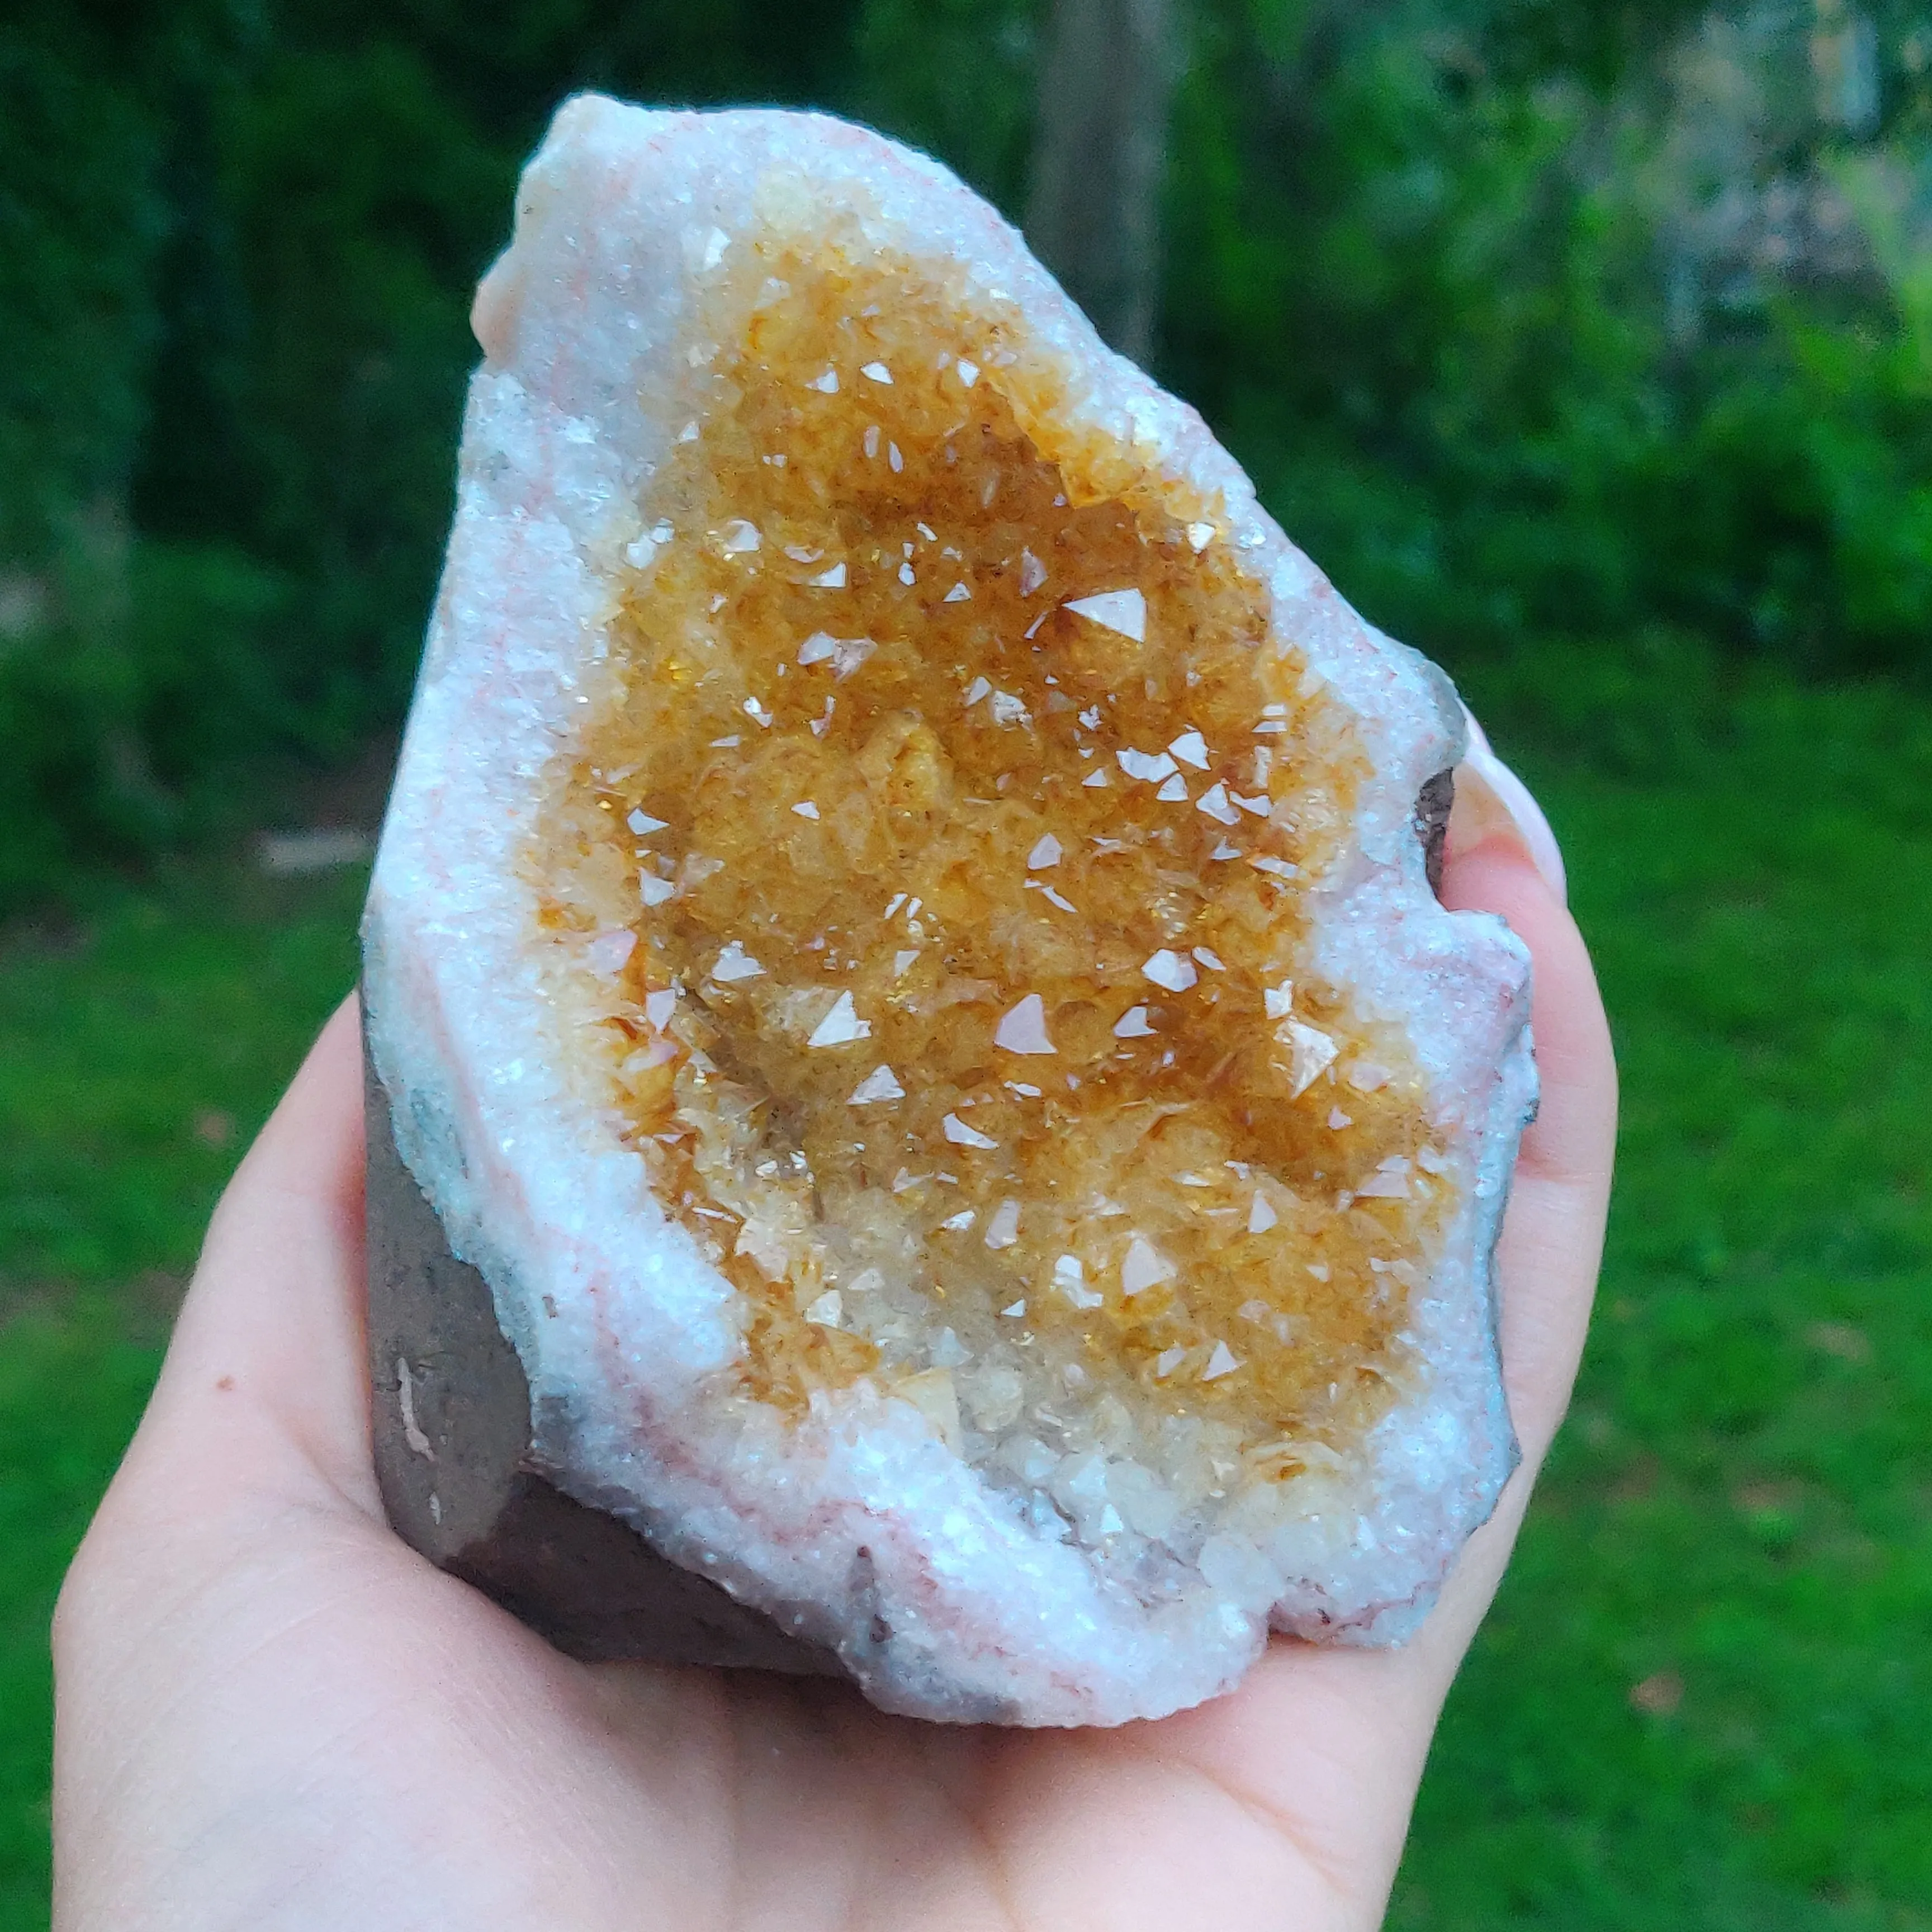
(553, 450)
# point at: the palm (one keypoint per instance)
(274, 1713)
(482, 1779)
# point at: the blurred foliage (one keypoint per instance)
(237, 246)
(1530, 318)
(1514, 353)
(955, 77)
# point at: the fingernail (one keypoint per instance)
(1491, 799)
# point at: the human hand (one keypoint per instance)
(273, 1714)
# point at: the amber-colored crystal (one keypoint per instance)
(963, 808)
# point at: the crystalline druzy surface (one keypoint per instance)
(904, 950)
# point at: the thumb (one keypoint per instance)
(264, 1394)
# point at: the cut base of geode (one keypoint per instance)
(463, 1480)
(902, 962)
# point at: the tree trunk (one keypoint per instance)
(1094, 216)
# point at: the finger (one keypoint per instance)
(1337, 1738)
(1553, 1234)
(1552, 1242)
(1489, 798)
(264, 1388)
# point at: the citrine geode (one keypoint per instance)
(902, 962)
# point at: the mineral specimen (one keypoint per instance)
(902, 962)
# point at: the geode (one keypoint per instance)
(926, 1119)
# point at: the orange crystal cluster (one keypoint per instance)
(937, 856)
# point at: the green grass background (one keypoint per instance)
(1739, 1515)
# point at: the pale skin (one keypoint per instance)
(272, 1715)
